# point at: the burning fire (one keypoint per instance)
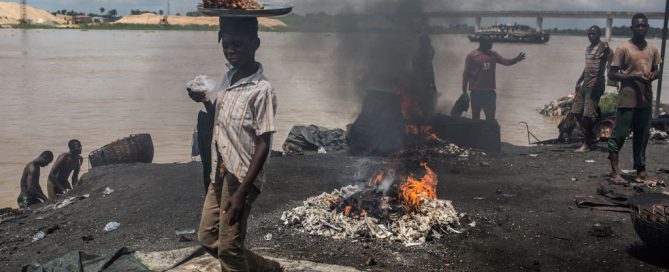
(413, 191)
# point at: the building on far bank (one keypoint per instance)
(69, 19)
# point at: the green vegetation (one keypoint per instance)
(618, 31)
(609, 102)
(147, 27)
(34, 26)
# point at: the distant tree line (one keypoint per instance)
(620, 31)
(112, 13)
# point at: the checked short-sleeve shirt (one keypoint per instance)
(244, 110)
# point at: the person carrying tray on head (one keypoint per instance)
(244, 122)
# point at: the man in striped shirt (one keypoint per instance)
(590, 85)
(244, 121)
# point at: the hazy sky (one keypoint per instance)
(335, 6)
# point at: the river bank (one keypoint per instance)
(523, 207)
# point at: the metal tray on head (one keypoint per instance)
(268, 10)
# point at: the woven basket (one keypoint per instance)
(132, 149)
(651, 223)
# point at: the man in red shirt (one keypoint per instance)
(479, 77)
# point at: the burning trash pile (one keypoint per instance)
(392, 206)
(558, 107)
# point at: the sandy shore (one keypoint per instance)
(523, 207)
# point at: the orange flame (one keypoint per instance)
(377, 179)
(413, 191)
(347, 209)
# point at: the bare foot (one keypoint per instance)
(584, 148)
(618, 180)
(642, 177)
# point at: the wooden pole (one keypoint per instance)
(664, 47)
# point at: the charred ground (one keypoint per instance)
(523, 206)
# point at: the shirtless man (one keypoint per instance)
(31, 191)
(68, 162)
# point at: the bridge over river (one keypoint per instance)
(540, 15)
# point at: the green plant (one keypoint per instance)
(609, 102)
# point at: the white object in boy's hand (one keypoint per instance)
(202, 84)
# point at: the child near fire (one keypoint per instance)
(244, 109)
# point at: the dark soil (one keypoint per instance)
(523, 206)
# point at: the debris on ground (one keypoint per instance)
(186, 231)
(319, 216)
(107, 191)
(370, 261)
(314, 138)
(558, 107)
(39, 236)
(599, 230)
(112, 226)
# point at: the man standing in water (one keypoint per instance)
(479, 77)
(243, 126)
(31, 191)
(591, 85)
(635, 65)
(68, 162)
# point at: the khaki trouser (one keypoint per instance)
(223, 241)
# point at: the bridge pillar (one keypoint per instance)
(477, 27)
(540, 23)
(609, 28)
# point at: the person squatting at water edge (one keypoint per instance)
(68, 162)
(479, 77)
(635, 66)
(591, 85)
(244, 122)
(31, 191)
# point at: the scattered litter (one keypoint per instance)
(182, 232)
(268, 237)
(533, 155)
(558, 107)
(479, 198)
(574, 179)
(39, 236)
(370, 261)
(112, 226)
(321, 150)
(508, 195)
(590, 161)
(87, 238)
(51, 229)
(107, 191)
(625, 171)
(599, 230)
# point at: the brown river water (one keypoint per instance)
(99, 86)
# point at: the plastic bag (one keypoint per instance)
(202, 83)
(112, 226)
